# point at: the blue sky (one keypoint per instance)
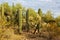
(53, 5)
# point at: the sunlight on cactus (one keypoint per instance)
(20, 23)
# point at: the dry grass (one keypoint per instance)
(8, 34)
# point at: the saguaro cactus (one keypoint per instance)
(2, 15)
(27, 19)
(20, 20)
(2, 11)
(12, 15)
(40, 12)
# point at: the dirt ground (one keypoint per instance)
(8, 34)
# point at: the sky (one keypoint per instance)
(53, 5)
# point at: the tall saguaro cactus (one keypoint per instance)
(2, 15)
(27, 19)
(12, 16)
(2, 11)
(20, 20)
(40, 12)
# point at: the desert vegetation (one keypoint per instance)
(20, 23)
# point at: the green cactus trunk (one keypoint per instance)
(2, 15)
(40, 12)
(12, 16)
(20, 20)
(27, 20)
